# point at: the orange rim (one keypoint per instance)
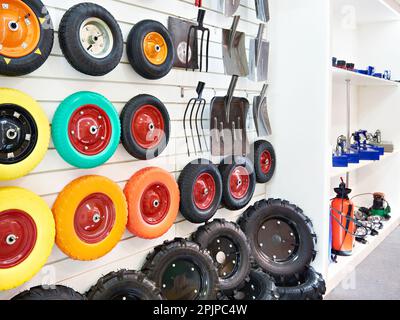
(155, 48)
(19, 31)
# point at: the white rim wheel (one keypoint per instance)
(96, 38)
(182, 52)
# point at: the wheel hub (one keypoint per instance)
(226, 255)
(182, 51)
(266, 162)
(155, 48)
(239, 182)
(96, 38)
(204, 191)
(148, 126)
(155, 203)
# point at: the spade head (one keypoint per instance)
(235, 57)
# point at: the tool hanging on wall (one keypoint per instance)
(205, 36)
(228, 7)
(259, 56)
(198, 104)
(262, 10)
(260, 113)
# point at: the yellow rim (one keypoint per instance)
(155, 48)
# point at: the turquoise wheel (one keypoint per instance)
(86, 130)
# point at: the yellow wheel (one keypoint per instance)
(26, 236)
(91, 215)
(155, 48)
(24, 134)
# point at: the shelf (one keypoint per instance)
(352, 167)
(340, 76)
(337, 272)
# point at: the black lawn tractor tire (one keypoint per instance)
(28, 62)
(258, 286)
(229, 248)
(310, 286)
(238, 182)
(282, 238)
(200, 184)
(146, 127)
(107, 56)
(124, 285)
(57, 293)
(264, 161)
(181, 270)
(155, 67)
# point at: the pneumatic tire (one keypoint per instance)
(57, 293)
(264, 161)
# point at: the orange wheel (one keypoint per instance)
(153, 202)
(91, 215)
(155, 48)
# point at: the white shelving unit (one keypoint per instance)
(358, 79)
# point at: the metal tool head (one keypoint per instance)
(260, 114)
(259, 57)
(234, 50)
(262, 9)
(193, 35)
(229, 7)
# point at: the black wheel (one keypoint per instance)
(124, 285)
(25, 43)
(150, 49)
(238, 182)
(282, 238)
(200, 184)
(229, 248)
(50, 293)
(91, 39)
(258, 286)
(264, 161)
(182, 271)
(145, 127)
(310, 286)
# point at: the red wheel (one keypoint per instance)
(204, 191)
(239, 182)
(266, 162)
(155, 203)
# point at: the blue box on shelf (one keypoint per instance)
(367, 153)
(340, 161)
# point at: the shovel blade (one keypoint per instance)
(261, 117)
(229, 7)
(262, 9)
(235, 57)
(259, 65)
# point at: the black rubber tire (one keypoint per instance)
(310, 286)
(258, 286)
(72, 48)
(256, 215)
(128, 141)
(187, 180)
(159, 260)
(51, 293)
(136, 56)
(34, 60)
(218, 228)
(226, 168)
(128, 284)
(259, 148)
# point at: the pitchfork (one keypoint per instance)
(205, 34)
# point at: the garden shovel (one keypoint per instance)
(260, 113)
(262, 10)
(229, 7)
(259, 56)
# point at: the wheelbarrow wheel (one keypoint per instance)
(25, 46)
(86, 130)
(153, 202)
(228, 246)
(124, 285)
(238, 182)
(91, 39)
(27, 234)
(264, 161)
(24, 134)
(282, 238)
(182, 271)
(150, 49)
(91, 215)
(145, 127)
(200, 184)
(57, 293)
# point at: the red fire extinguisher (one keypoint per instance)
(343, 222)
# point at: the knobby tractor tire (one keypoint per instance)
(70, 40)
(270, 226)
(25, 64)
(175, 264)
(264, 161)
(200, 184)
(32, 225)
(124, 285)
(135, 49)
(39, 138)
(227, 243)
(146, 127)
(88, 234)
(57, 293)
(310, 286)
(153, 202)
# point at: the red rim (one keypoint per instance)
(155, 203)
(89, 130)
(239, 183)
(204, 191)
(18, 236)
(94, 218)
(148, 126)
(266, 162)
